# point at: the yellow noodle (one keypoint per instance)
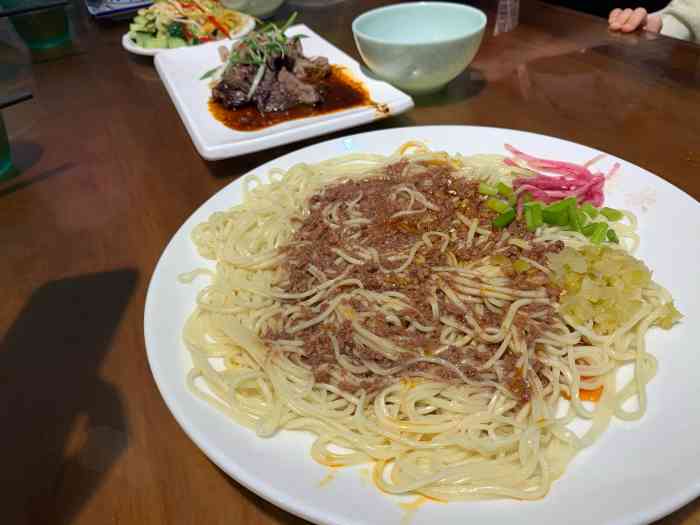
(446, 440)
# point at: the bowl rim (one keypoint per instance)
(404, 5)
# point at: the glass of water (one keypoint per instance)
(6, 168)
(42, 25)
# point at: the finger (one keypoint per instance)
(654, 24)
(621, 19)
(614, 14)
(637, 19)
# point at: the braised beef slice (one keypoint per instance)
(311, 70)
(289, 80)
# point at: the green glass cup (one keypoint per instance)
(46, 31)
(7, 170)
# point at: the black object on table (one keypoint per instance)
(6, 102)
(29, 6)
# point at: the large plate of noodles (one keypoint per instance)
(638, 468)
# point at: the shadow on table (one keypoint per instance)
(240, 165)
(63, 426)
(20, 183)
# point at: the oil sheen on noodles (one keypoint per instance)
(455, 379)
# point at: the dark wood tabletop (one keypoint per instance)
(108, 174)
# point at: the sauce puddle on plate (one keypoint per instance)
(341, 91)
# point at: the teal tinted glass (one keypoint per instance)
(45, 28)
(6, 169)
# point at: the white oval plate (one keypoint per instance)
(130, 46)
(635, 473)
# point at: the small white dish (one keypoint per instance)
(131, 47)
(181, 71)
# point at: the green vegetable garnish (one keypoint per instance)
(590, 210)
(504, 219)
(568, 202)
(258, 47)
(557, 213)
(533, 216)
(486, 189)
(497, 205)
(555, 217)
(575, 222)
(612, 236)
(611, 214)
(175, 30)
(588, 229)
(504, 189)
(582, 217)
(599, 231)
(210, 73)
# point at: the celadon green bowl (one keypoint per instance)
(419, 46)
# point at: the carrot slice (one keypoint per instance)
(221, 27)
(590, 395)
(586, 394)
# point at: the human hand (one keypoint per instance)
(628, 20)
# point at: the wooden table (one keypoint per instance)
(109, 174)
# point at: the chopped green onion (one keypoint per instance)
(590, 210)
(288, 22)
(504, 189)
(582, 217)
(557, 206)
(612, 236)
(497, 205)
(568, 202)
(575, 220)
(555, 217)
(558, 212)
(599, 232)
(588, 229)
(521, 266)
(256, 81)
(210, 73)
(486, 189)
(260, 45)
(611, 214)
(504, 219)
(561, 205)
(533, 216)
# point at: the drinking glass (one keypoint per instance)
(45, 30)
(6, 168)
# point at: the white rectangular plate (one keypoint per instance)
(181, 70)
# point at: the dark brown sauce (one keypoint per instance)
(341, 91)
